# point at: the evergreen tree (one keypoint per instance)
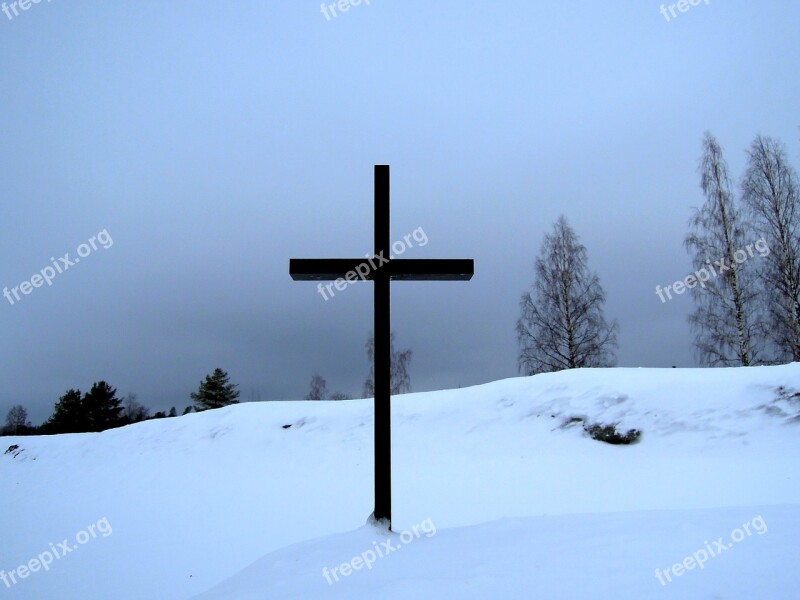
(102, 408)
(99, 409)
(215, 391)
(68, 415)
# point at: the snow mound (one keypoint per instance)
(194, 500)
(610, 555)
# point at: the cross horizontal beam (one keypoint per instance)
(407, 269)
(381, 268)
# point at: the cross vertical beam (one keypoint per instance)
(315, 269)
(382, 367)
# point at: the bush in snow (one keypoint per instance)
(610, 435)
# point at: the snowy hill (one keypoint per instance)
(523, 502)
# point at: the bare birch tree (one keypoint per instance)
(318, 389)
(401, 361)
(562, 325)
(725, 320)
(132, 410)
(17, 421)
(770, 192)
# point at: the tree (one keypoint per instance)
(99, 409)
(318, 388)
(133, 411)
(215, 391)
(562, 325)
(102, 408)
(69, 415)
(17, 421)
(770, 192)
(725, 319)
(400, 380)
(340, 396)
(173, 412)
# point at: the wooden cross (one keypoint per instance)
(382, 268)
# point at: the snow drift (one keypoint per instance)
(525, 503)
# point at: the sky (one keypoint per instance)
(196, 147)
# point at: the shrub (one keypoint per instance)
(610, 435)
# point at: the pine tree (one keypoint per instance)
(68, 415)
(215, 391)
(102, 408)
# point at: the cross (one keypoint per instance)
(381, 269)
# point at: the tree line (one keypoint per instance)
(400, 378)
(100, 408)
(747, 312)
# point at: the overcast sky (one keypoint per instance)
(214, 141)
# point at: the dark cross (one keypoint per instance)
(381, 269)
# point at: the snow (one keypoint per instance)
(601, 555)
(230, 504)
